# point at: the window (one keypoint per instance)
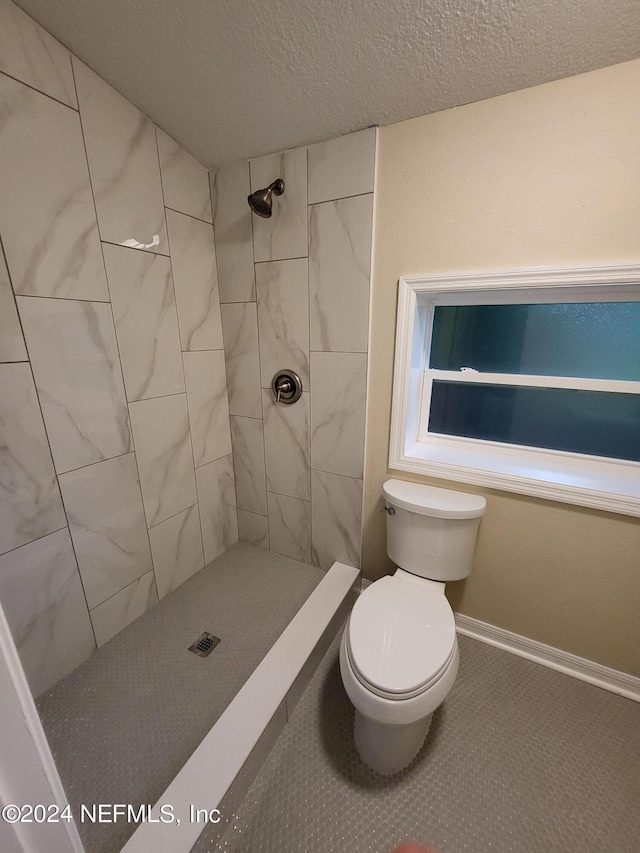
(526, 380)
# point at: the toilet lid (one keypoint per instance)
(401, 635)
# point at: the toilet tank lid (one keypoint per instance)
(436, 502)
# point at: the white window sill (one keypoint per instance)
(609, 486)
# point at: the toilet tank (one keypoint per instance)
(431, 532)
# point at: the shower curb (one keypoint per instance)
(220, 771)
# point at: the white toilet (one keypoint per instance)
(399, 652)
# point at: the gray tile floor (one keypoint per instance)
(123, 724)
(519, 759)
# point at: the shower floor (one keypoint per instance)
(519, 759)
(124, 723)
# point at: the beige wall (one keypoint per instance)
(547, 176)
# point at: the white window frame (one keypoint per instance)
(607, 484)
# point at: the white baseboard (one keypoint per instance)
(585, 670)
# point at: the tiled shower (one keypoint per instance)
(295, 294)
(128, 392)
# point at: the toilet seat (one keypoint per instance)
(386, 694)
(401, 636)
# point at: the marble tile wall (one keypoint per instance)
(295, 294)
(116, 473)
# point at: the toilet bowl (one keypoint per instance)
(399, 651)
(398, 660)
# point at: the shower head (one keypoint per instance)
(260, 201)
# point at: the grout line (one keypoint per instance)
(91, 464)
(333, 474)
(261, 401)
(251, 512)
(40, 92)
(311, 399)
(132, 249)
(15, 305)
(158, 397)
(282, 495)
(126, 586)
(199, 505)
(341, 198)
(64, 298)
(283, 260)
(91, 187)
(249, 417)
(174, 515)
(211, 462)
(36, 539)
(146, 251)
(182, 212)
(337, 352)
(253, 239)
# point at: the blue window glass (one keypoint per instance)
(592, 422)
(598, 340)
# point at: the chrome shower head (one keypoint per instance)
(260, 201)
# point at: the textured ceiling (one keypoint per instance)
(231, 79)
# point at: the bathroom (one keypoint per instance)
(524, 177)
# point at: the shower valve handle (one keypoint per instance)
(286, 386)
